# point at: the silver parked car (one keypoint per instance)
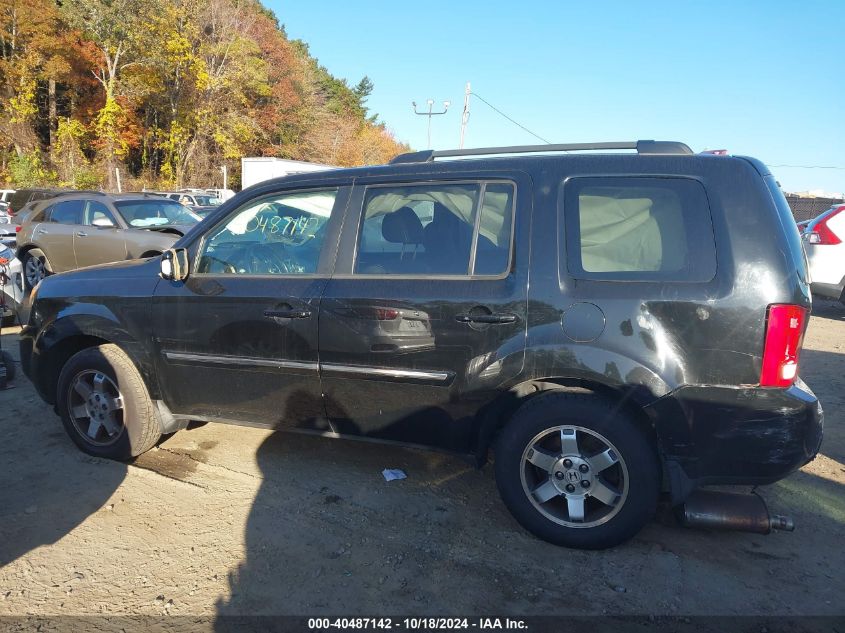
(78, 230)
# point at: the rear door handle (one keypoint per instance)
(287, 314)
(486, 318)
(42, 231)
(81, 234)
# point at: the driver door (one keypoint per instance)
(100, 240)
(238, 338)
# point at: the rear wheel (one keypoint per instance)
(36, 266)
(104, 404)
(576, 471)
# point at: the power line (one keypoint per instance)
(510, 119)
(809, 166)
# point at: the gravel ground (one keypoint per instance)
(231, 520)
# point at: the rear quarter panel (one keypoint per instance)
(658, 336)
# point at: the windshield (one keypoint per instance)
(207, 201)
(143, 213)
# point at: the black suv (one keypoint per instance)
(610, 324)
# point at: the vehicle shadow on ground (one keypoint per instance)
(310, 540)
(828, 309)
(49, 486)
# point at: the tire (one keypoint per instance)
(104, 380)
(11, 369)
(35, 259)
(575, 517)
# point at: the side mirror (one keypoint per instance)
(174, 264)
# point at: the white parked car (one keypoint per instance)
(11, 282)
(824, 241)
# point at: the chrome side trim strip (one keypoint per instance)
(240, 360)
(412, 374)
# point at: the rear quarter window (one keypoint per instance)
(638, 228)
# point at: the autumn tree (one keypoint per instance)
(115, 31)
(169, 90)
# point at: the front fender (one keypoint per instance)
(78, 325)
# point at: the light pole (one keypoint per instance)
(430, 114)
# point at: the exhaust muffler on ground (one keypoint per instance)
(715, 510)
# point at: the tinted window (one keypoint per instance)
(19, 199)
(275, 235)
(67, 212)
(155, 212)
(432, 230)
(639, 228)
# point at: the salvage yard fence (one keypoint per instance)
(808, 208)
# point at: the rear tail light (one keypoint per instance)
(18, 228)
(822, 233)
(784, 334)
(386, 314)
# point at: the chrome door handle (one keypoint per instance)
(81, 234)
(43, 231)
(486, 318)
(287, 314)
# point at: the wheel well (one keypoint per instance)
(497, 414)
(56, 358)
(24, 250)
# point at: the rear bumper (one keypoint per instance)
(736, 435)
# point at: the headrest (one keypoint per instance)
(402, 227)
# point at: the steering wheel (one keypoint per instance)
(208, 260)
(272, 258)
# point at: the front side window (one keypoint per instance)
(281, 234)
(67, 212)
(638, 228)
(146, 213)
(97, 214)
(436, 229)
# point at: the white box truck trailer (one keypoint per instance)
(258, 169)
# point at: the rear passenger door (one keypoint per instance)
(56, 233)
(424, 318)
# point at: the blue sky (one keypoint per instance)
(760, 78)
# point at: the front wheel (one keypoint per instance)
(575, 471)
(104, 404)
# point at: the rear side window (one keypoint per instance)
(436, 229)
(639, 229)
(67, 212)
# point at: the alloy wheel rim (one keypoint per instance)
(574, 476)
(35, 270)
(95, 406)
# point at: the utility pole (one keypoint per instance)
(430, 114)
(225, 176)
(465, 116)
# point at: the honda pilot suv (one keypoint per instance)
(609, 324)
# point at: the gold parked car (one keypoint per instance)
(78, 230)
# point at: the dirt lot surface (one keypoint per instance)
(231, 520)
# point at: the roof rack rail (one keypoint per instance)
(642, 147)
